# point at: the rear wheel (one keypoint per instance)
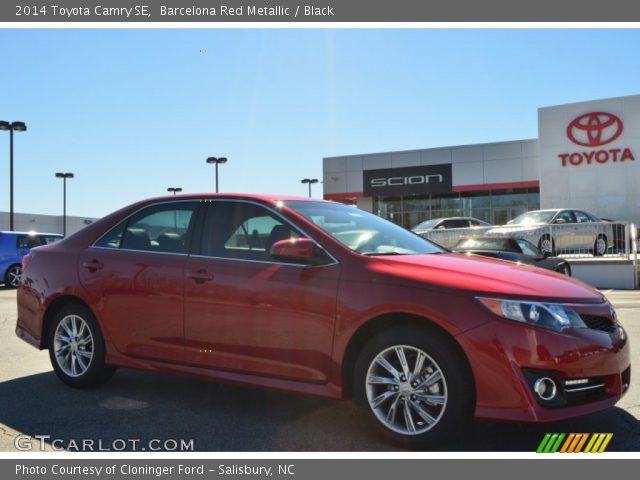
(76, 348)
(600, 246)
(12, 276)
(547, 245)
(415, 385)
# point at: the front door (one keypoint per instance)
(249, 313)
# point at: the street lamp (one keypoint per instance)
(310, 181)
(174, 190)
(64, 177)
(18, 127)
(217, 161)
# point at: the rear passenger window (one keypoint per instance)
(582, 217)
(160, 228)
(28, 241)
(458, 223)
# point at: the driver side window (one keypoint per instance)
(243, 231)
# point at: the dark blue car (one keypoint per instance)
(14, 246)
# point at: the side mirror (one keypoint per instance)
(560, 221)
(296, 250)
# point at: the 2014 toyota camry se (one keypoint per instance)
(325, 299)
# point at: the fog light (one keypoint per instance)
(545, 388)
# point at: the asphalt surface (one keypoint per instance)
(155, 408)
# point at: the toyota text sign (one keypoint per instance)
(593, 131)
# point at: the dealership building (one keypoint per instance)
(585, 156)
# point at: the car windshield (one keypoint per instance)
(483, 244)
(428, 224)
(532, 218)
(528, 248)
(361, 231)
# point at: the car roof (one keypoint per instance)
(239, 196)
(7, 232)
(503, 240)
(557, 210)
(492, 239)
(452, 218)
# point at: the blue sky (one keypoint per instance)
(132, 112)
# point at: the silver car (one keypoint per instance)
(560, 230)
(448, 231)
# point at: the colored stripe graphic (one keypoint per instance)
(574, 443)
(550, 443)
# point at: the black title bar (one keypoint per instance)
(319, 11)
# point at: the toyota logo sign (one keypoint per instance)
(594, 129)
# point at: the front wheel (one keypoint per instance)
(415, 385)
(76, 348)
(600, 246)
(12, 276)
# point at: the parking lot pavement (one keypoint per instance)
(145, 406)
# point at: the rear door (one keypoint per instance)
(134, 275)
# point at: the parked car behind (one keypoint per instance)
(560, 230)
(514, 250)
(324, 299)
(433, 229)
(14, 246)
(450, 222)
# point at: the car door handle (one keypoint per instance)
(200, 276)
(92, 265)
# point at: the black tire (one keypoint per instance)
(543, 242)
(12, 276)
(599, 238)
(458, 389)
(564, 269)
(97, 372)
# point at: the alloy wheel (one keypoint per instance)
(546, 245)
(601, 246)
(13, 276)
(73, 345)
(406, 390)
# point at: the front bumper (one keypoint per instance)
(503, 354)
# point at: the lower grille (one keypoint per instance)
(585, 390)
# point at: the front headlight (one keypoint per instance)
(553, 316)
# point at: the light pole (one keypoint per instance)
(217, 161)
(310, 181)
(64, 177)
(18, 127)
(174, 190)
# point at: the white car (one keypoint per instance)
(446, 232)
(560, 230)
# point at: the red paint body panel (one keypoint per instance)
(288, 327)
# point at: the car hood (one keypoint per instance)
(484, 275)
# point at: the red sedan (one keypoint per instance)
(321, 298)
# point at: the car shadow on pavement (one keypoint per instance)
(148, 406)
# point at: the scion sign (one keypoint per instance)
(403, 181)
